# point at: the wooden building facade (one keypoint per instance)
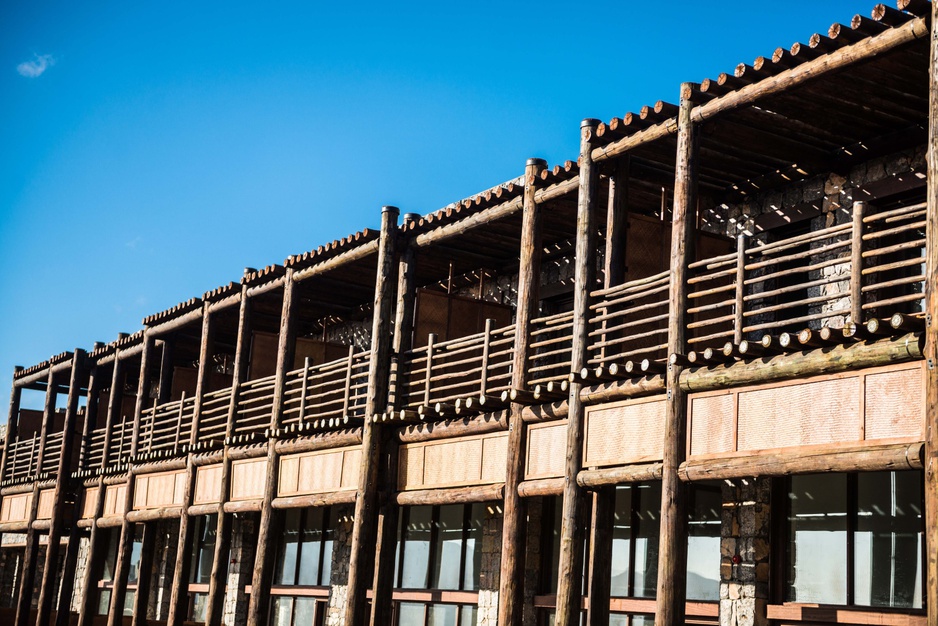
(690, 377)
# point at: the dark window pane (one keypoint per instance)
(818, 539)
(285, 572)
(309, 549)
(447, 548)
(888, 541)
(703, 543)
(470, 575)
(647, 503)
(416, 545)
(621, 542)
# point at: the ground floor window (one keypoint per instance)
(200, 569)
(855, 539)
(106, 582)
(438, 565)
(300, 592)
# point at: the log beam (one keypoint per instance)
(364, 529)
(672, 546)
(511, 578)
(571, 532)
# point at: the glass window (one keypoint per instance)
(872, 519)
(635, 540)
(203, 549)
(305, 554)
(703, 542)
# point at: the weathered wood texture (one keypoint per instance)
(672, 547)
(571, 532)
(931, 334)
(270, 518)
(511, 577)
(361, 563)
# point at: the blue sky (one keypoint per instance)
(150, 151)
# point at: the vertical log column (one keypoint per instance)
(361, 562)
(570, 581)
(179, 591)
(599, 570)
(217, 583)
(266, 548)
(383, 583)
(511, 573)
(50, 571)
(931, 335)
(13, 416)
(95, 552)
(125, 547)
(672, 546)
(28, 578)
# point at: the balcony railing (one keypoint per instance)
(440, 375)
(329, 394)
(166, 427)
(21, 458)
(255, 402)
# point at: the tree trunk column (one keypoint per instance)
(125, 547)
(263, 558)
(570, 575)
(62, 483)
(672, 546)
(931, 335)
(511, 574)
(362, 558)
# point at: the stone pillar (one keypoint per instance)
(491, 567)
(341, 553)
(240, 568)
(161, 581)
(744, 552)
(81, 564)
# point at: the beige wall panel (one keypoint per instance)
(247, 479)
(15, 508)
(713, 424)
(895, 404)
(46, 499)
(289, 475)
(351, 463)
(494, 459)
(207, 484)
(113, 496)
(158, 490)
(804, 414)
(547, 450)
(89, 502)
(453, 462)
(624, 432)
(321, 472)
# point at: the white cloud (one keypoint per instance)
(36, 67)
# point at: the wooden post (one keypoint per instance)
(145, 573)
(263, 557)
(511, 576)
(86, 607)
(739, 307)
(383, 583)
(931, 335)
(362, 558)
(569, 578)
(599, 565)
(12, 422)
(856, 263)
(62, 485)
(179, 591)
(124, 548)
(672, 546)
(28, 577)
(215, 603)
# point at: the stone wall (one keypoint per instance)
(744, 552)
(341, 554)
(491, 566)
(240, 567)
(11, 558)
(81, 566)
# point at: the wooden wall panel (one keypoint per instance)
(323, 471)
(89, 502)
(460, 462)
(884, 404)
(625, 432)
(46, 499)
(159, 489)
(15, 508)
(547, 445)
(113, 499)
(207, 484)
(247, 479)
